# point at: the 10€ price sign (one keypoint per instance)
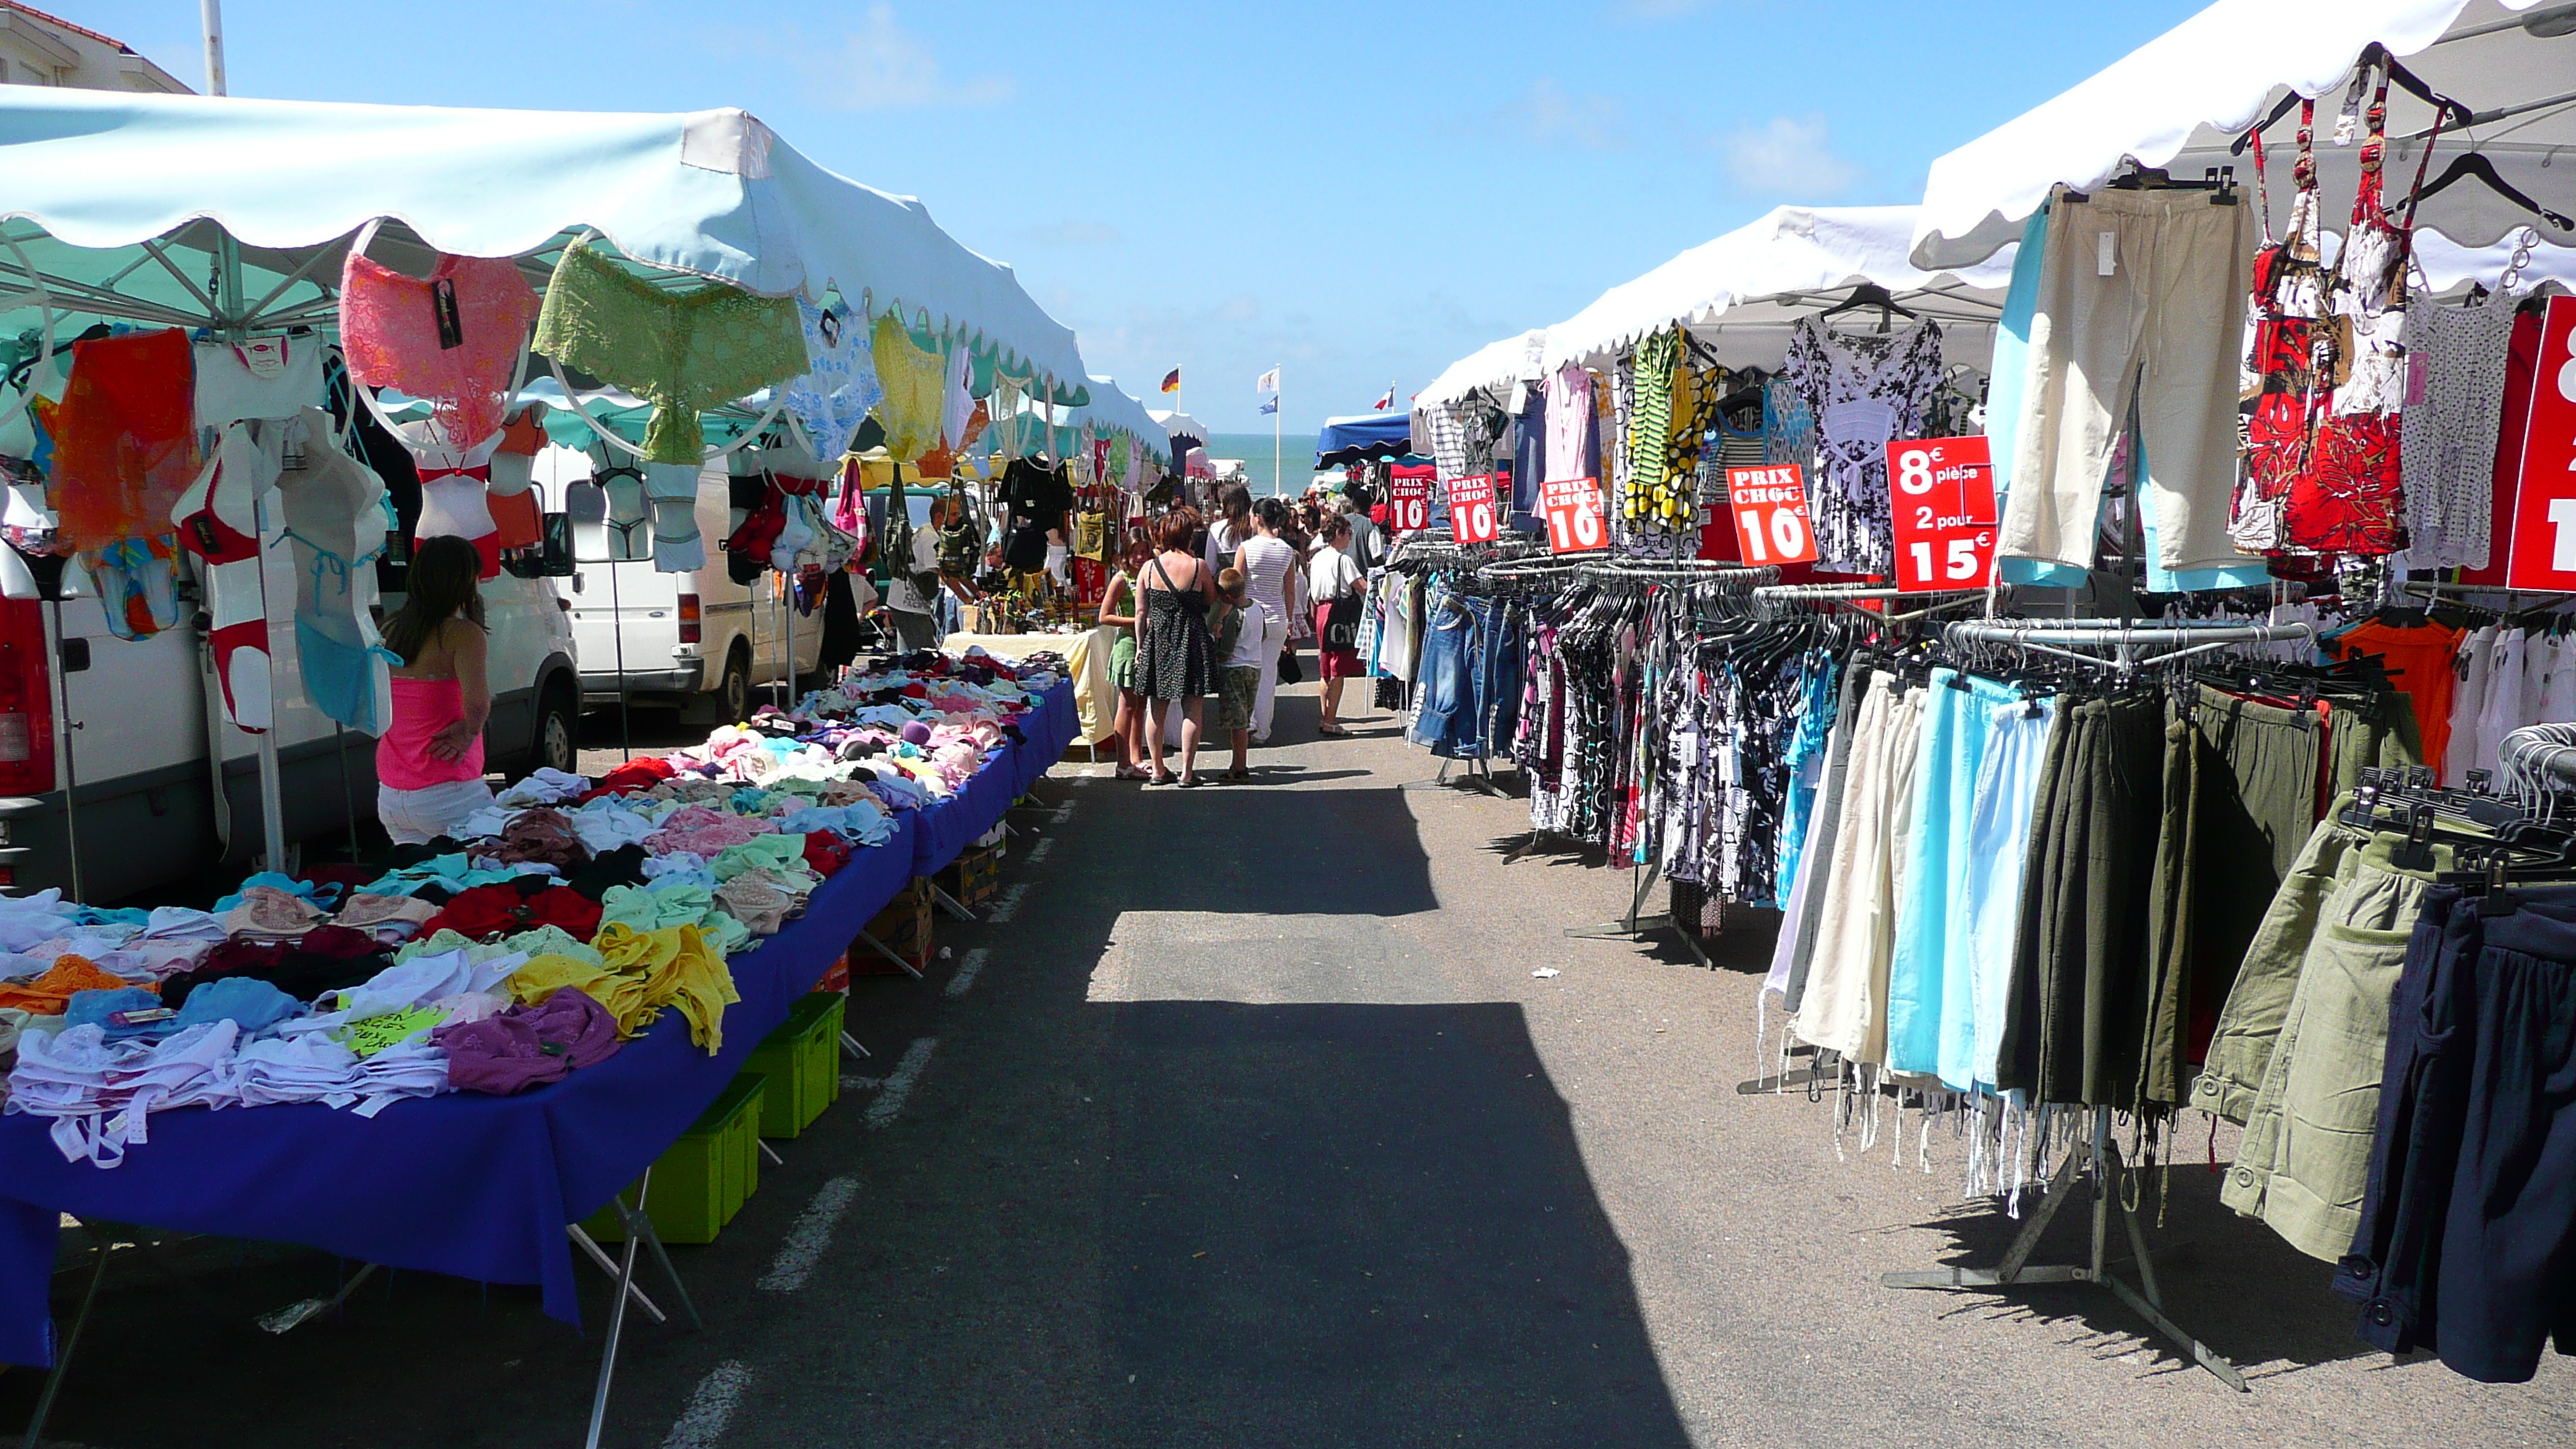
(1941, 495)
(1577, 519)
(1408, 504)
(1769, 506)
(1471, 508)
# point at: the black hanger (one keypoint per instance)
(1869, 294)
(2476, 167)
(2453, 113)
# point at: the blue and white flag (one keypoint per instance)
(1269, 405)
(1267, 382)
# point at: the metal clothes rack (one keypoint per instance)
(1694, 576)
(2131, 645)
(1854, 596)
(2096, 1158)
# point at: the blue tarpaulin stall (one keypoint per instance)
(1366, 439)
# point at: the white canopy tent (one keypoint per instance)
(235, 215)
(1743, 293)
(1514, 359)
(2180, 102)
(1178, 425)
(106, 196)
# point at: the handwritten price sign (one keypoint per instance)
(1941, 494)
(1577, 519)
(1769, 506)
(1471, 508)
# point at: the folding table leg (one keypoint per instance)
(851, 1045)
(590, 1246)
(887, 952)
(71, 1343)
(608, 1354)
(639, 1223)
(950, 904)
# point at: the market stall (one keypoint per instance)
(172, 212)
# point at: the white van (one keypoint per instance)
(144, 718)
(694, 638)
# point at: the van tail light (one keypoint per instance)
(26, 701)
(689, 619)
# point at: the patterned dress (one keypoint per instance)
(1864, 391)
(1176, 659)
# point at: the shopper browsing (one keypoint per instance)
(1333, 582)
(1239, 681)
(429, 765)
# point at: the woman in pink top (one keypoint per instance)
(429, 764)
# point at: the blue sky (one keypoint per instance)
(1359, 192)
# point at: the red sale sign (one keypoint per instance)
(1409, 504)
(1769, 506)
(2544, 506)
(1941, 494)
(1578, 521)
(1471, 508)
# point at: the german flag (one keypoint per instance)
(1172, 380)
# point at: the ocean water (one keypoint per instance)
(1296, 459)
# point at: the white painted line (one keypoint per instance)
(811, 1235)
(711, 1408)
(899, 1083)
(851, 1083)
(1039, 852)
(1063, 813)
(1007, 904)
(964, 980)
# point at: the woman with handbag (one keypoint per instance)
(1333, 581)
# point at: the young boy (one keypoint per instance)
(1237, 625)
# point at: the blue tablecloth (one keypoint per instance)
(480, 1187)
(957, 822)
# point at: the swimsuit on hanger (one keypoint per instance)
(915, 384)
(337, 516)
(452, 338)
(683, 351)
(840, 384)
(124, 445)
(452, 483)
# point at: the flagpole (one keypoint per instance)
(1278, 420)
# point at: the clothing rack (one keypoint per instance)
(2131, 645)
(1854, 596)
(2096, 1157)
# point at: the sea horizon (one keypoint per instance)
(1296, 459)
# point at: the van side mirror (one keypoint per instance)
(551, 558)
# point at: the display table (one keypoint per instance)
(475, 1186)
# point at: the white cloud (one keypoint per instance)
(882, 66)
(1547, 115)
(1786, 156)
(1073, 234)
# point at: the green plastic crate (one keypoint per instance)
(701, 1181)
(802, 1060)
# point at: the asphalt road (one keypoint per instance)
(1242, 1120)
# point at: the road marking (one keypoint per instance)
(964, 980)
(850, 1083)
(1007, 904)
(703, 1422)
(811, 1235)
(1038, 852)
(1063, 813)
(899, 1083)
